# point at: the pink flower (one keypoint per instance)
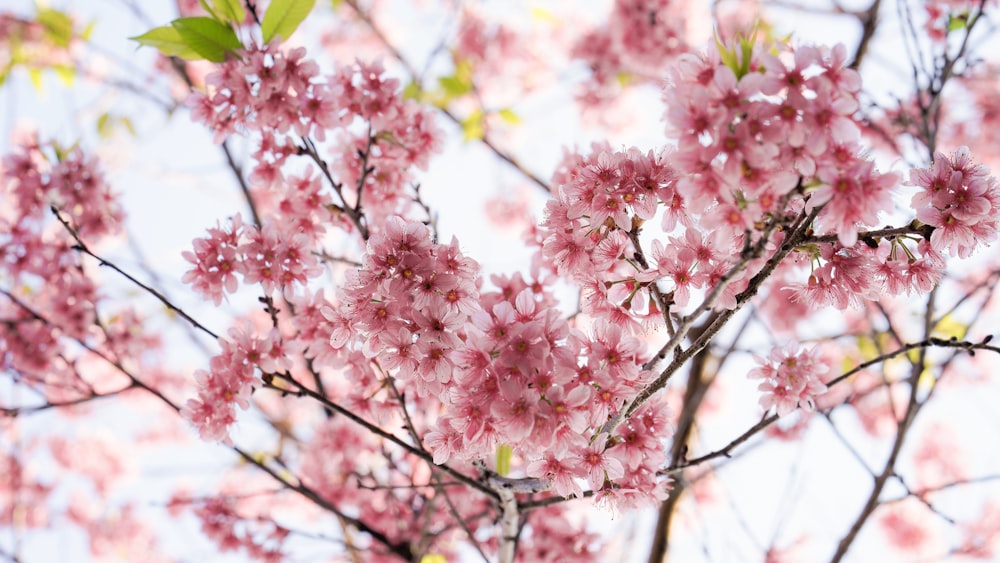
(959, 199)
(216, 262)
(515, 410)
(595, 462)
(559, 472)
(792, 378)
(851, 196)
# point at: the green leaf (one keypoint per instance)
(168, 41)
(412, 91)
(738, 56)
(58, 26)
(509, 116)
(283, 17)
(473, 127)
(35, 74)
(230, 10)
(107, 123)
(103, 125)
(949, 327)
(88, 31)
(504, 454)
(454, 86)
(128, 125)
(66, 73)
(207, 37)
(208, 10)
(958, 22)
(541, 14)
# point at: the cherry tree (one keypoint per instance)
(652, 279)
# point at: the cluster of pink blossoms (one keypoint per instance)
(406, 306)
(231, 379)
(265, 89)
(503, 367)
(755, 129)
(70, 181)
(413, 312)
(276, 256)
(38, 259)
(792, 378)
(585, 236)
(526, 379)
(280, 96)
(401, 135)
(960, 200)
(956, 210)
(260, 539)
(640, 38)
(763, 137)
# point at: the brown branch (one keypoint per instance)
(303, 391)
(355, 214)
(767, 420)
(244, 187)
(912, 408)
(399, 549)
(31, 409)
(869, 23)
(82, 247)
(698, 384)
(912, 228)
(795, 234)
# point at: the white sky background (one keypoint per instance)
(175, 185)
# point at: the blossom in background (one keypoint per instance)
(792, 378)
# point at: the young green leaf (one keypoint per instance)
(207, 37)
(168, 41)
(454, 86)
(208, 10)
(958, 22)
(35, 74)
(58, 26)
(230, 10)
(473, 127)
(413, 91)
(88, 31)
(66, 73)
(504, 455)
(509, 116)
(283, 17)
(104, 125)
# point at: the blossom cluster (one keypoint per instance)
(259, 539)
(960, 200)
(407, 304)
(277, 256)
(38, 258)
(639, 40)
(502, 367)
(231, 378)
(280, 97)
(955, 210)
(792, 378)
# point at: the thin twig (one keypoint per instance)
(82, 247)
